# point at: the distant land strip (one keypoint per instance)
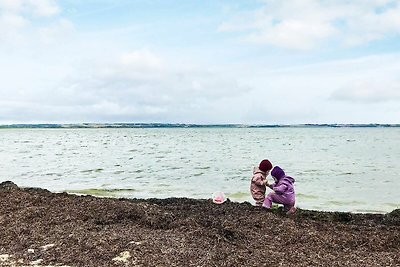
(181, 125)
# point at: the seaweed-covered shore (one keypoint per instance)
(40, 228)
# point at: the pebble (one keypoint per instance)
(123, 257)
(45, 247)
(4, 257)
(36, 262)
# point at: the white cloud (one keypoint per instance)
(305, 24)
(139, 90)
(43, 7)
(10, 26)
(361, 90)
(369, 91)
(30, 7)
(141, 59)
(58, 30)
(293, 34)
(18, 21)
(135, 86)
(10, 5)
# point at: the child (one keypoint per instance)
(259, 181)
(283, 191)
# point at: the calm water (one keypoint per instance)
(345, 169)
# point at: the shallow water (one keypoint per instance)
(345, 169)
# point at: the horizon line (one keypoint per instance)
(187, 125)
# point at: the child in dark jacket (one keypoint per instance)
(283, 191)
(259, 181)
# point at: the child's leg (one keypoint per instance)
(268, 200)
(259, 202)
(259, 199)
(274, 197)
(292, 210)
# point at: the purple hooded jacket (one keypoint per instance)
(284, 185)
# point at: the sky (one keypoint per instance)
(204, 62)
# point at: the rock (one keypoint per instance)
(123, 257)
(36, 262)
(8, 185)
(395, 213)
(45, 247)
(136, 242)
(392, 218)
(4, 257)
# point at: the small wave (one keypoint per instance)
(164, 185)
(202, 168)
(92, 170)
(53, 174)
(368, 211)
(102, 192)
(306, 196)
(23, 141)
(345, 203)
(238, 195)
(174, 168)
(311, 171)
(393, 205)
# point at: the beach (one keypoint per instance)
(41, 228)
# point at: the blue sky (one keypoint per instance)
(253, 62)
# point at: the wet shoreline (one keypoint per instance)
(40, 228)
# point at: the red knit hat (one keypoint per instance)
(265, 165)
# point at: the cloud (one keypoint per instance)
(136, 86)
(308, 24)
(57, 30)
(20, 21)
(143, 86)
(360, 90)
(40, 8)
(43, 8)
(141, 59)
(369, 91)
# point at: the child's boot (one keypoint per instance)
(292, 210)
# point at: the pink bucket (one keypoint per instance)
(219, 197)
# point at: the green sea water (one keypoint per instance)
(336, 169)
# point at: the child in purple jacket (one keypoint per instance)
(283, 191)
(259, 181)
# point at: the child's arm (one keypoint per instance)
(258, 181)
(280, 189)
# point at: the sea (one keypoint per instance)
(355, 169)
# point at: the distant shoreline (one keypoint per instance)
(180, 125)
